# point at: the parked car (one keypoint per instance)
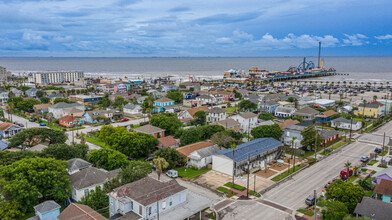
(149, 159)
(124, 120)
(310, 200)
(42, 124)
(172, 173)
(21, 125)
(31, 120)
(344, 174)
(107, 123)
(364, 159)
(377, 150)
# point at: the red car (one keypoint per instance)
(124, 120)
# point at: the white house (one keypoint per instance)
(60, 109)
(201, 158)
(284, 112)
(215, 114)
(132, 109)
(206, 87)
(346, 124)
(206, 99)
(87, 179)
(189, 113)
(247, 120)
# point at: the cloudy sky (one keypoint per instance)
(233, 28)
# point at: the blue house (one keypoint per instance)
(189, 96)
(325, 117)
(7, 130)
(383, 191)
(3, 145)
(161, 104)
(48, 210)
(269, 106)
(32, 93)
(168, 87)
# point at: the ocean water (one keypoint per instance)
(357, 68)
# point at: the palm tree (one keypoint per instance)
(348, 166)
(233, 147)
(161, 164)
(356, 169)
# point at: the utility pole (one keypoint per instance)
(315, 143)
(383, 144)
(254, 183)
(247, 184)
(315, 205)
(351, 126)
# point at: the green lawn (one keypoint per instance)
(96, 141)
(230, 110)
(372, 162)
(285, 173)
(228, 192)
(253, 194)
(353, 178)
(308, 212)
(190, 173)
(338, 145)
(236, 186)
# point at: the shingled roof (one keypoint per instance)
(5, 125)
(216, 110)
(372, 208)
(147, 190)
(46, 206)
(384, 187)
(149, 129)
(77, 164)
(188, 149)
(80, 212)
(91, 176)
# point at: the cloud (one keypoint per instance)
(179, 9)
(384, 37)
(355, 40)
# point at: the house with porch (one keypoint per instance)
(70, 121)
(131, 109)
(383, 191)
(325, 117)
(284, 112)
(343, 123)
(260, 151)
(383, 174)
(291, 132)
(161, 104)
(190, 113)
(328, 136)
(7, 130)
(369, 110)
(306, 113)
(58, 110)
(215, 114)
(268, 106)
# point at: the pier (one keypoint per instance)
(302, 76)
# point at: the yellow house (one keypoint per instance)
(368, 110)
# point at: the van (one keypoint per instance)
(344, 174)
(310, 200)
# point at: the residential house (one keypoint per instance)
(268, 106)
(32, 93)
(328, 136)
(190, 113)
(87, 179)
(229, 124)
(323, 102)
(286, 104)
(85, 99)
(3, 145)
(76, 165)
(145, 198)
(206, 99)
(58, 110)
(206, 87)
(70, 121)
(189, 96)
(247, 120)
(154, 93)
(48, 210)
(283, 112)
(291, 132)
(201, 158)
(227, 96)
(4, 97)
(383, 174)
(258, 152)
(306, 113)
(161, 104)
(188, 149)
(192, 103)
(325, 117)
(168, 141)
(41, 107)
(77, 211)
(386, 102)
(253, 98)
(7, 130)
(369, 110)
(149, 129)
(343, 123)
(16, 92)
(383, 191)
(132, 110)
(283, 124)
(190, 86)
(373, 209)
(74, 111)
(120, 88)
(168, 87)
(215, 114)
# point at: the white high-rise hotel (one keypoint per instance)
(44, 78)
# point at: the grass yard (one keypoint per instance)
(285, 173)
(236, 186)
(253, 194)
(372, 162)
(338, 145)
(373, 172)
(228, 192)
(353, 178)
(230, 110)
(190, 173)
(96, 141)
(308, 211)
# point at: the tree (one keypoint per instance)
(175, 96)
(346, 193)
(196, 134)
(44, 100)
(172, 156)
(246, 105)
(27, 105)
(118, 101)
(105, 102)
(266, 116)
(96, 199)
(335, 210)
(200, 118)
(148, 104)
(107, 159)
(291, 99)
(32, 136)
(311, 137)
(9, 210)
(30, 180)
(2, 114)
(348, 166)
(135, 170)
(222, 140)
(167, 121)
(263, 131)
(161, 164)
(65, 151)
(40, 94)
(60, 99)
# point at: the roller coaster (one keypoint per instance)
(305, 66)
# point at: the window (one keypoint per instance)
(171, 202)
(149, 210)
(85, 191)
(179, 197)
(164, 204)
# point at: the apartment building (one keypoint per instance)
(45, 78)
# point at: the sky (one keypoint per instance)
(202, 28)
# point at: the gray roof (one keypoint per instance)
(164, 99)
(130, 106)
(284, 109)
(228, 122)
(387, 171)
(375, 209)
(369, 105)
(204, 152)
(325, 134)
(269, 122)
(204, 97)
(343, 120)
(46, 206)
(91, 176)
(252, 148)
(77, 164)
(149, 129)
(64, 105)
(295, 127)
(3, 145)
(248, 115)
(307, 111)
(216, 110)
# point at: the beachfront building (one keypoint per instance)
(323, 102)
(4, 74)
(45, 78)
(161, 104)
